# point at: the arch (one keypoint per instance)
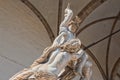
(90, 7)
(94, 22)
(114, 68)
(41, 18)
(59, 14)
(109, 44)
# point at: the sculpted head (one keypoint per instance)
(72, 46)
(73, 26)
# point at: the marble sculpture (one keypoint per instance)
(65, 48)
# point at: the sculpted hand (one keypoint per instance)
(68, 11)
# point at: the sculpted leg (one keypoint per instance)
(13, 77)
(43, 58)
(87, 71)
(22, 76)
(82, 63)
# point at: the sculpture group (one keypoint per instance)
(66, 48)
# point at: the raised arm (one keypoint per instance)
(67, 16)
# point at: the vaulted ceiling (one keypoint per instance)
(28, 26)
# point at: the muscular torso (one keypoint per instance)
(60, 61)
(67, 35)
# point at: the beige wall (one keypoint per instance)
(22, 37)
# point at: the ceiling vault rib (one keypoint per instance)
(109, 43)
(94, 43)
(90, 7)
(41, 18)
(11, 60)
(96, 62)
(92, 55)
(114, 68)
(60, 4)
(94, 22)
